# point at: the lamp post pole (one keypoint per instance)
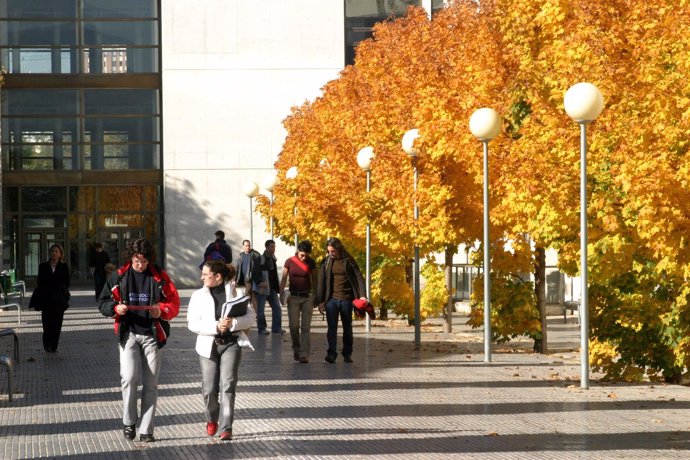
(269, 182)
(584, 284)
(292, 174)
(487, 259)
(408, 146)
(485, 124)
(251, 190)
(364, 158)
(583, 103)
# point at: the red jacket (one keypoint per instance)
(163, 292)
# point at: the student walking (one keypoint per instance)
(299, 273)
(219, 343)
(51, 296)
(142, 299)
(340, 282)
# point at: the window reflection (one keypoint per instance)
(41, 8)
(120, 198)
(361, 15)
(120, 9)
(44, 199)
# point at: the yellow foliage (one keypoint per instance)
(518, 57)
(434, 296)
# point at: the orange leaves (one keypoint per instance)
(415, 73)
(518, 57)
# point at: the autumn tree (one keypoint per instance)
(518, 57)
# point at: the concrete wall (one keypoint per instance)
(231, 72)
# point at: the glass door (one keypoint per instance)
(115, 242)
(36, 244)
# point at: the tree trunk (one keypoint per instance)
(383, 311)
(540, 290)
(448, 312)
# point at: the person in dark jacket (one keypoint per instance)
(220, 247)
(269, 291)
(51, 296)
(340, 282)
(99, 260)
(248, 280)
(141, 299)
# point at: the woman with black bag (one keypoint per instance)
(51, 296)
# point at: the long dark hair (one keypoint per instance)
(338, 245)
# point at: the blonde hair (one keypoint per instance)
(62, 251)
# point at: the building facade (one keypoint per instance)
(146, 118)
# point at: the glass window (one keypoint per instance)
(10, 198)
(378, 8)
(18, 102)
(41, 8)
(361, 15)
(106, 60)
(121, 156)
(151, 198)
(38, 33)
(121, 33)
(129, 129)
(121, 102)
(39, 60)
(120, 9)
(44, 222)
(47, 157)
(39, 130)
(44, 199)
(10, 225)
(82, 199)
(120, 199)
(152, 228)
(121, 220)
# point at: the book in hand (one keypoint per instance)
(235, 307)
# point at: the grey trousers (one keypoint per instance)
(300, 328)
(219, 375)
(140, 361)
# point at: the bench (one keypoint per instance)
(572, 305)
(11, 332)
(13, 306)
(7, 362)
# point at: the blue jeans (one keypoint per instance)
(219, 375)
(339, 308)
(276, 312)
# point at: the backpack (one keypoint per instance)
(215, 255)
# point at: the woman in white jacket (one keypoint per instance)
(219, 344)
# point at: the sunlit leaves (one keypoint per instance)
(518, 57)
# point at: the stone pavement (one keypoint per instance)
(393, 402)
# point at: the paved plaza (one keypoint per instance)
(393, 402)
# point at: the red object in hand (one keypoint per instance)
(362, 307)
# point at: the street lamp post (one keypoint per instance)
(251, 190)
(408, 146)
(291, 174)
(269, 182)
(485, 124)
(583, 103)
(364, 158)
